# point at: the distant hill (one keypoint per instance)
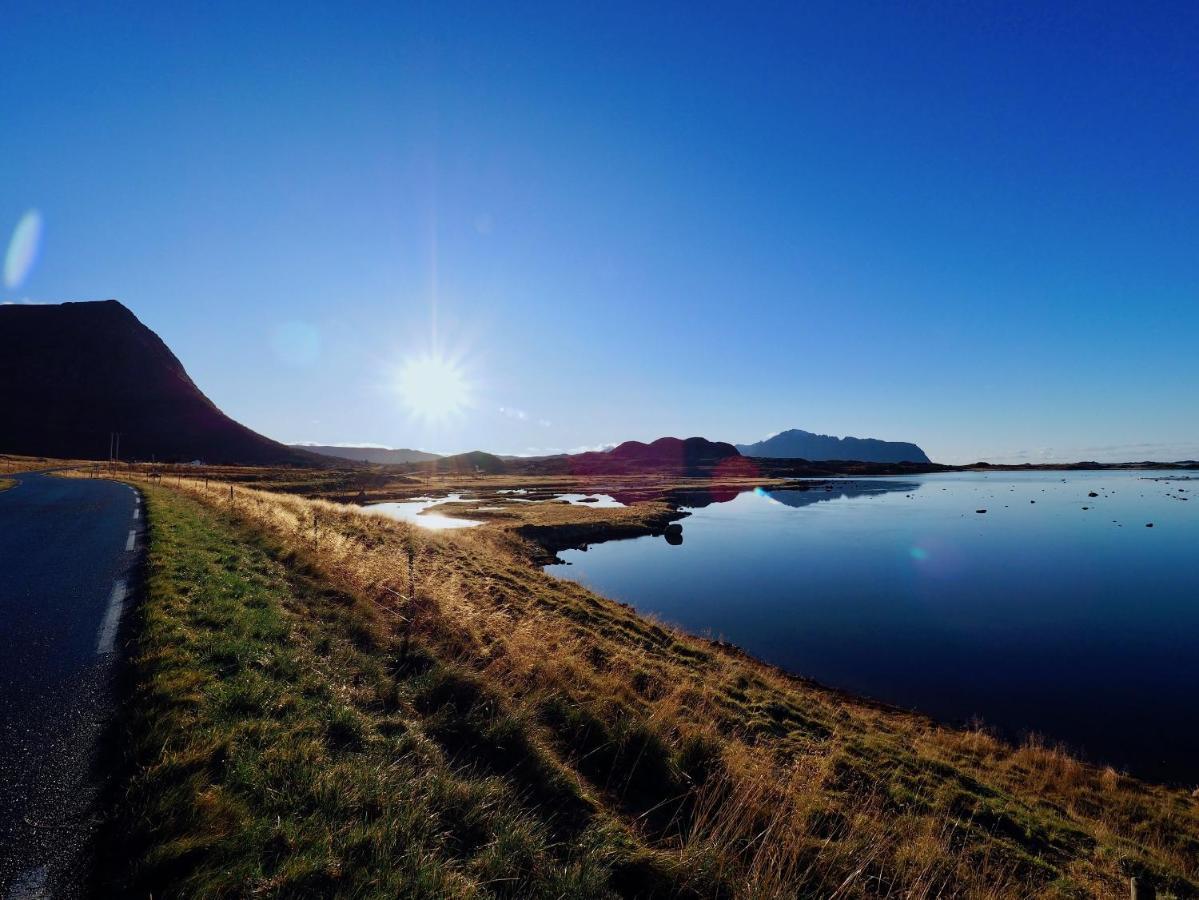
(671, 450)
(476, 461)
(71, 373)
(694, 456)
(797, 444)
(386, 456)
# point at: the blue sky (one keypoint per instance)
(973, 226)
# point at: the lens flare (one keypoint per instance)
(296, 343)
(22, 249)
(433, 387)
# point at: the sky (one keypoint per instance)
(970, 225)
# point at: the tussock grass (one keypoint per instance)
(449, 718)
(11, 463)
(280, 746)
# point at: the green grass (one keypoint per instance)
(294, 730)
(279, 746)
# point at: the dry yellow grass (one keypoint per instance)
(739, 774)
(9, 463)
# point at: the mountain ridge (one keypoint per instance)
(795, 443)
(72, 373)
(387, 456)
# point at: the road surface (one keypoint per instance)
(68, 555)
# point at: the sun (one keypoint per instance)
(433, 387)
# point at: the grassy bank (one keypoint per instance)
(329, 703)
(6, 483)
(283, 742)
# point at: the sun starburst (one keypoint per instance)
(433, 387)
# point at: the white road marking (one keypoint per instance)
(136, 512)
(132, 539)
(112, 618)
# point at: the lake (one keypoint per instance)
(1053, 612)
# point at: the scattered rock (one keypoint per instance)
(673, 534)
(980, 510)
(1092, 494)
(1148, 524)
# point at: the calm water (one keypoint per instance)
(1038, 615)
(430, 512)
(414, 511)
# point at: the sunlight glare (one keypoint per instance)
(433, 387)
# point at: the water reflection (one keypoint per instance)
(824, 491)
(414, 511)
(1058, 611)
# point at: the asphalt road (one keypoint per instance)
(68, 555)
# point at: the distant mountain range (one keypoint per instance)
(797, 444)
(387, 456)
(693, 456)
(668, 453)
(687, 451)
(73, 373)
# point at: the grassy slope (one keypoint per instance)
(508, 734)
(10, 463)
(281, 745)
(6, 483)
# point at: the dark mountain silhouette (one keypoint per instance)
(474, 462)
(797, 444)
(692, 456)
(71, 373)
(387, 456)
(671, 451)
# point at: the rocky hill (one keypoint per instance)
(73, 373)
(797, 444)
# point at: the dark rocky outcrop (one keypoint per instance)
(72, 373)
(797, 444)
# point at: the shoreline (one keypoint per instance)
(571, 672)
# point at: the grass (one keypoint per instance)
(11, 463)
(281, 745)
(330, 703)
(6, 483)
